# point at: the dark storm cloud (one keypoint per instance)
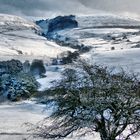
(45, 7)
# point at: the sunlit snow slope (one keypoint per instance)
(20, 39)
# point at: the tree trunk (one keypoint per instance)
(104, 136)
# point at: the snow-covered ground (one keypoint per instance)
(123, 51)
(14, 115)
(53, 73)
(127, 59)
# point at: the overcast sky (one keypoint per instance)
(43, 8)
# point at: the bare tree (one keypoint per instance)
(94, 99)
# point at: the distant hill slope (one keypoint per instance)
(113, 40)
(107, 21)
(11, 22)
(95, 21)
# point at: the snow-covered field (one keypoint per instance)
(115, 41)
(14, 115)
(123, 51)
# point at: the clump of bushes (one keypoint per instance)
(10, 67)
(37, 68)
(112, 48)
(21, 86)
(16, 80)
(69, 57)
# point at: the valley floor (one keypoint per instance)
(14, 115)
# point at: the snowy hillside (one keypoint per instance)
(19, 39)
(10, 22)
(114, 40)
